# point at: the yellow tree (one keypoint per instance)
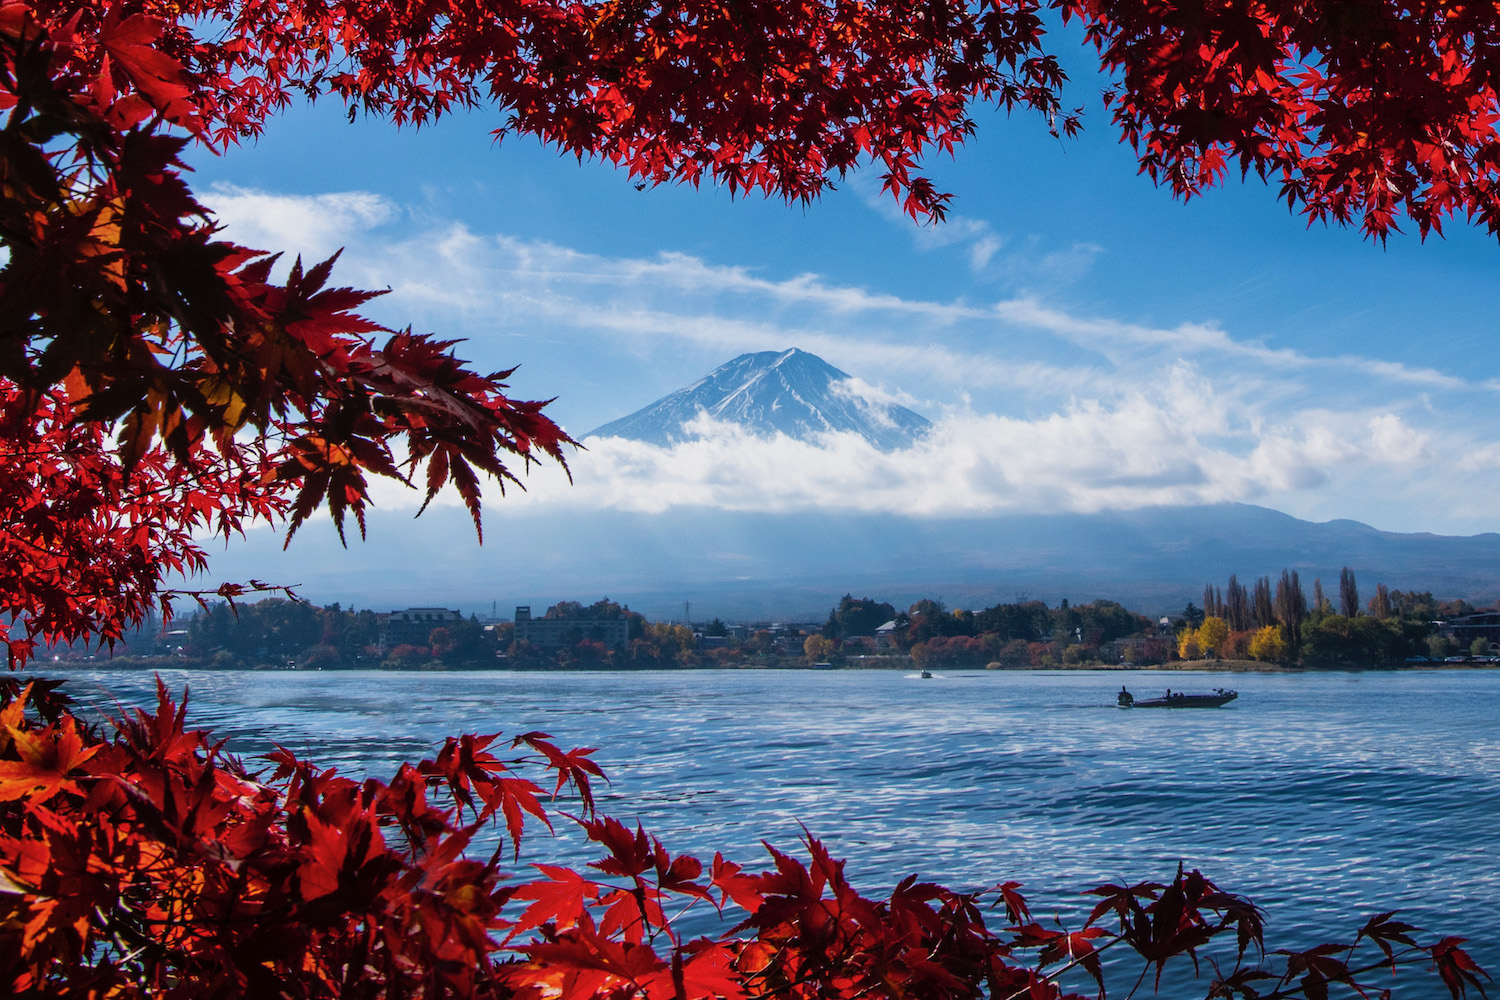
(674, 641)
(1211, 635)
(1269, 645)
(1187, 644)
(817, 647)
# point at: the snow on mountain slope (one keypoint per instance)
(792, 392)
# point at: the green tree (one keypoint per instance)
(1413, 605)
(862, 616)
(358, 632)
(1066, 623)
(931, 619)
(1362, 640)
(1321, 605)
(1105, 621)
(467, 643)
(1025, 620)
(320, 657)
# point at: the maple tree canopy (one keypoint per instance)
(157, 382)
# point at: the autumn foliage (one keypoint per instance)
(188, 385)
(159, 384)
(148, 862)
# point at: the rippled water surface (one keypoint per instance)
(1326, 797)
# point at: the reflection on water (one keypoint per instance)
(1325, 797)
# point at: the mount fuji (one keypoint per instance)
(792, 565)
(792, 392)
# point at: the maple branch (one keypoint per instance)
(1056, 975)
(230, 592)
(1410, 956)
(1145, 968)
(125, 953)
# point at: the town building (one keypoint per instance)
(558, 633)
(1464, 629)
(413, 626)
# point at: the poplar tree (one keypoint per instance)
(1348, 594)
(1237, 605)
(1265, 614)
(1291, 607)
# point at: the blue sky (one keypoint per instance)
(1083, 341)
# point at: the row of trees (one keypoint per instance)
(1259, 622)
(1280, 625)
(1027, 620)
(1259, 605)
(281, 632)
(1025, 633)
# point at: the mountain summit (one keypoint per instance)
(794, 393)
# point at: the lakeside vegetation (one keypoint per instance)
(1260, 624)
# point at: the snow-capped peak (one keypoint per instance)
(789, 392)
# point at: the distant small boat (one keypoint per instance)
(1179, 700)
(927, 675)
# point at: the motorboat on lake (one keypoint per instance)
(1179, 699)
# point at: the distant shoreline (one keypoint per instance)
(1175, 666)
(1256, 666)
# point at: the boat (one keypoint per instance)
(1181, 699)
(927, 675)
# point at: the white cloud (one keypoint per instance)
(1197, 339)
(983, 251)
(1397, 442)
(1165, 446)
(1037, 406)
(312, 225)
(874, 401)
(679, 295)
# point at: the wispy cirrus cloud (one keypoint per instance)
(1199, 339)
(447, 264)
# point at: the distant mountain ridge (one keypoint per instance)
(789, 392)
(795, 566)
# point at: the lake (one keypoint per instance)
(1324, 796)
